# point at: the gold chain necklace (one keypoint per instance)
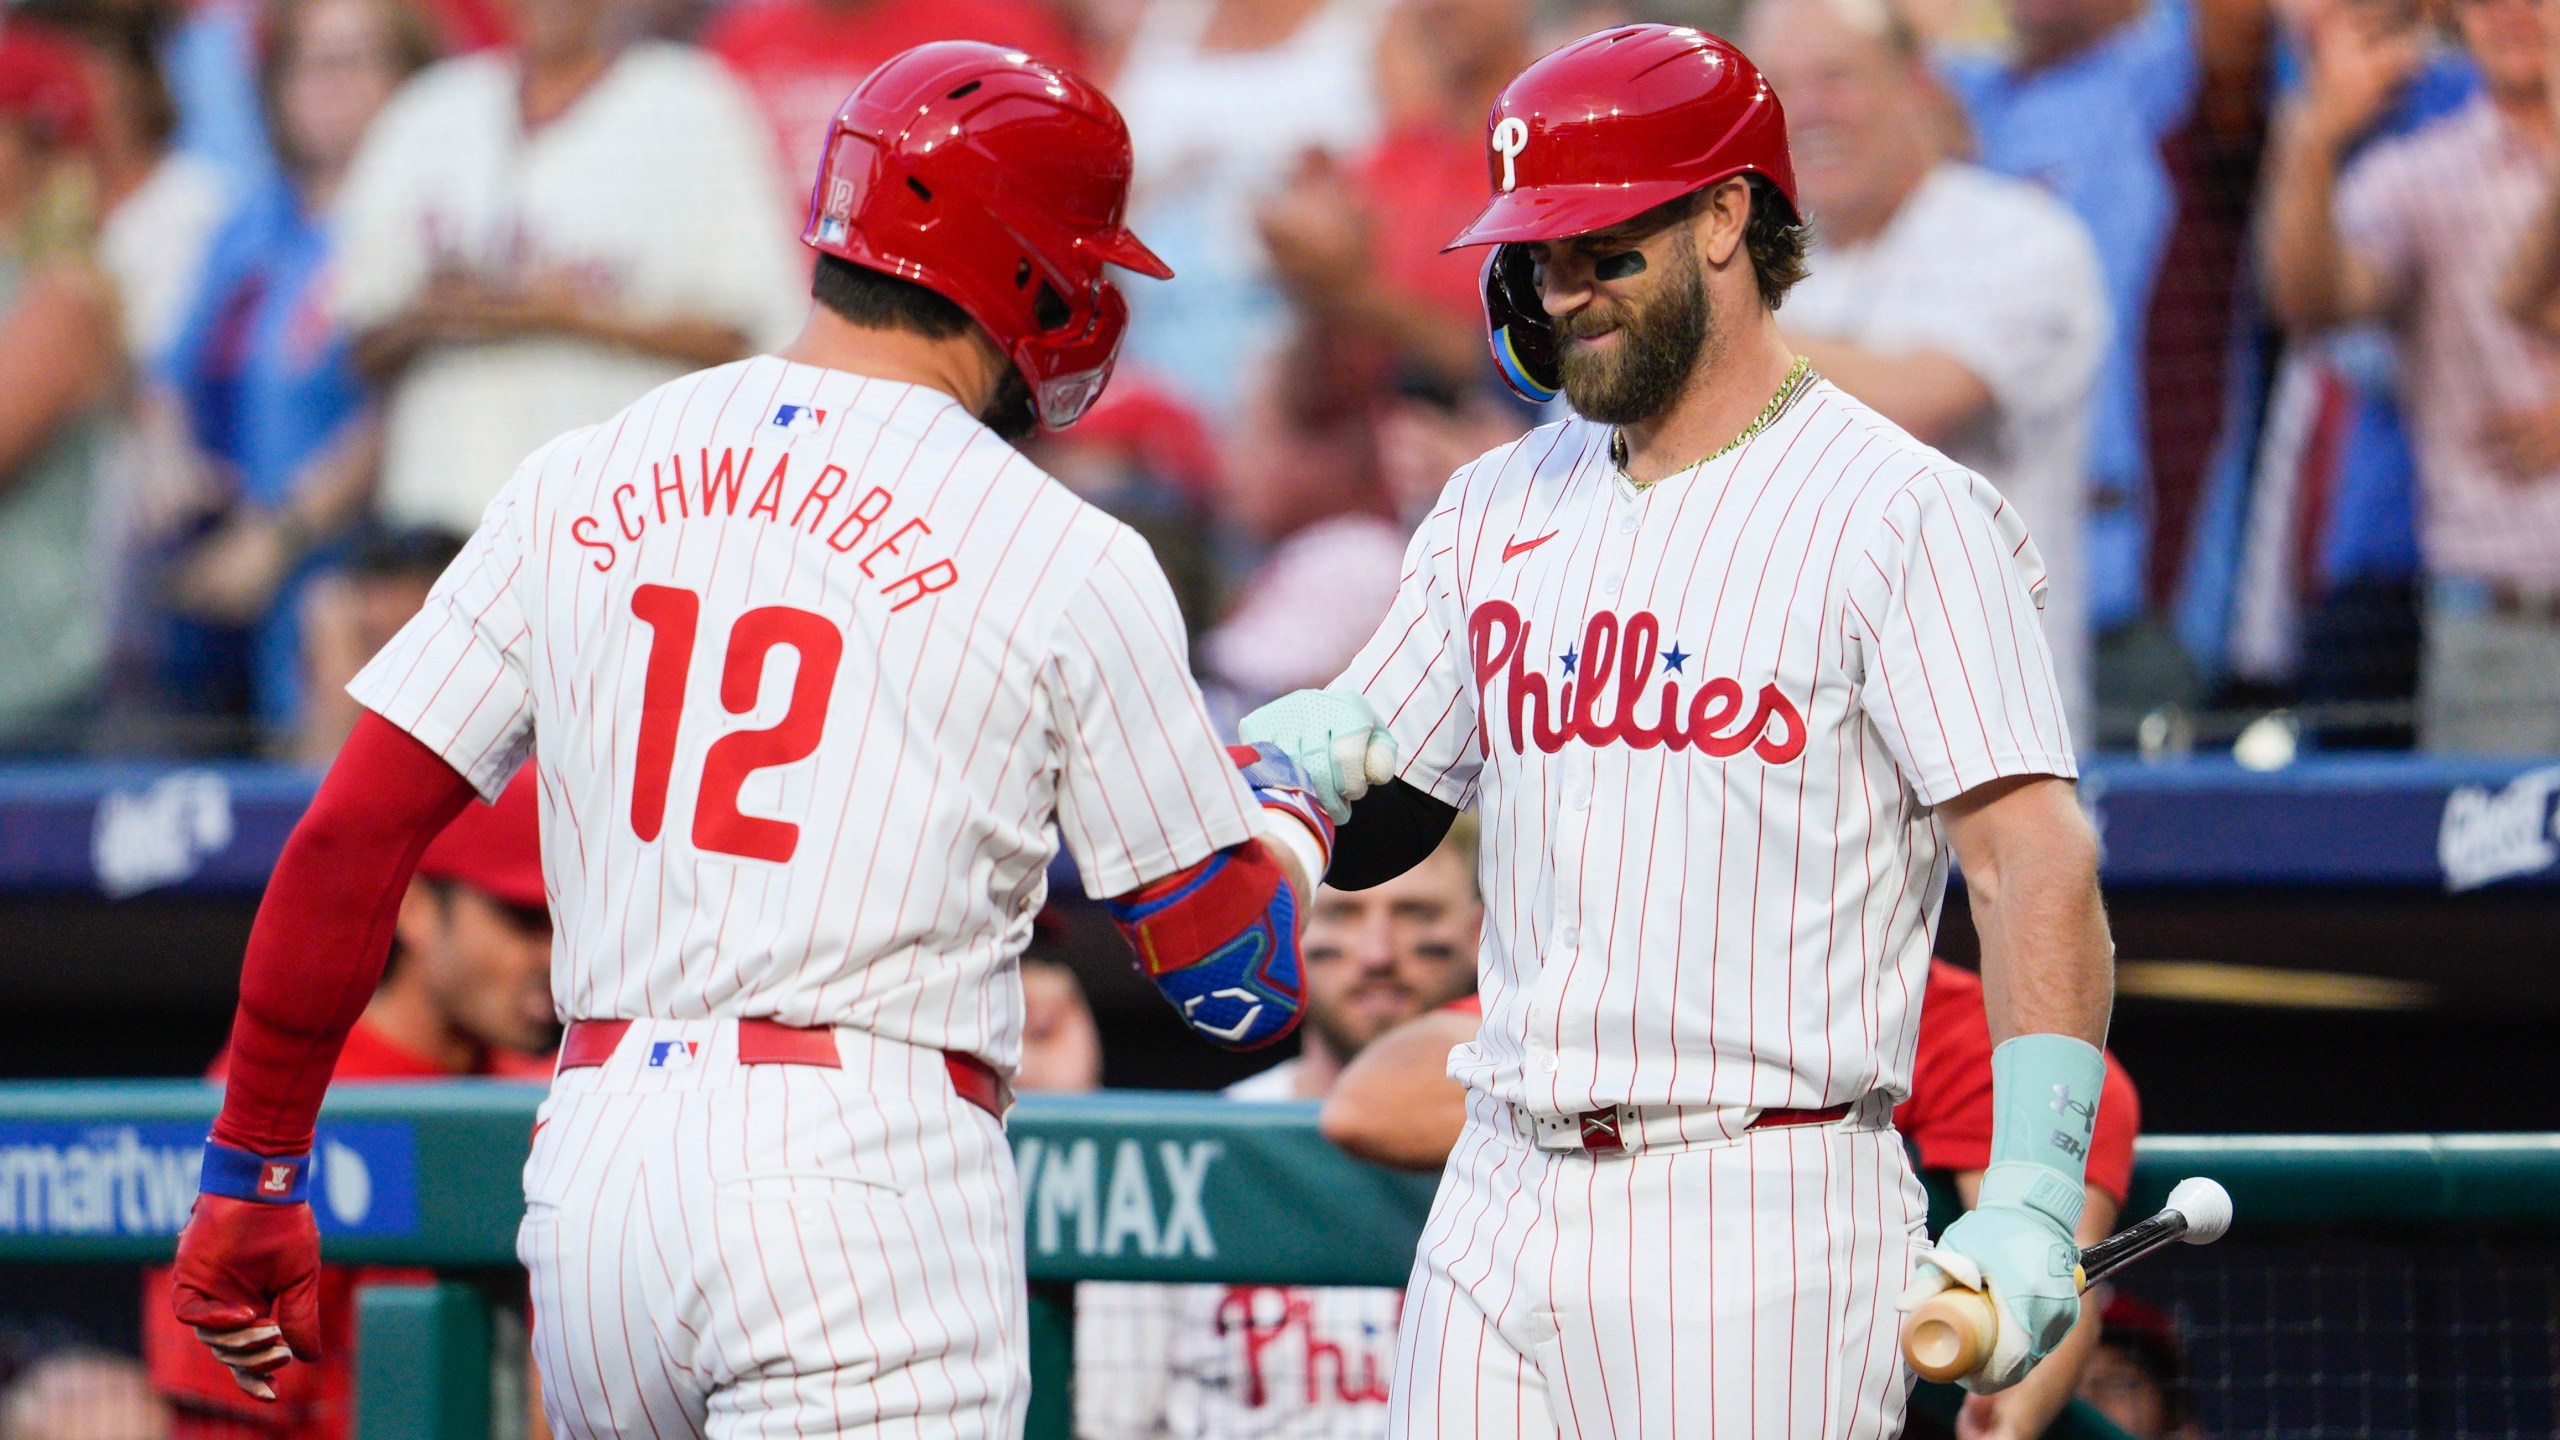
(1799, 376)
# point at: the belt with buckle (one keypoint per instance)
(1601, 1132)
(590, 1043)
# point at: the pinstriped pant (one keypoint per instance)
(1738, 1290)
(774, 1250)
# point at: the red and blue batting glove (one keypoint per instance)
(248, 1271)
(1220, 938)
(1281, 785)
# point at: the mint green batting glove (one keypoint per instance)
(1335, 736)
(2019, 1245)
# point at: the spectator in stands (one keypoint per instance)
(82, 1394)
(158, 206)
(467, 992)
(2306, 581)
(2137, 1377)
(1427, 434)
(2079, 105)
(2422, 231)
(1966, 306)
(1385, 334)
(531, 239)
(1100, 30)
(1219, 1360)
(1224, 98)
(1396, 1105)
(352, 612)
(1356, 242)
(2533, 276)
(800, 58)
(1311, 493)
(1061, 1046)
(59, 364)
(269, 384)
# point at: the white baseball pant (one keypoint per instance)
(738, 1251)
(1735, 1289)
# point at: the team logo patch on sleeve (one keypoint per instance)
(674, 1054)
(798, 418)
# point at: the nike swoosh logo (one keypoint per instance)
(1518, 548)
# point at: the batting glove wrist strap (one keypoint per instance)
(1285, 791)
(264, 1179)
(2044, 1095)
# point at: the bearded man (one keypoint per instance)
(1730, 668)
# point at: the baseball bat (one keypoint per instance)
(1947, 1336)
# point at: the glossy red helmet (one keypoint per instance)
(997, 181)
(1595, 134)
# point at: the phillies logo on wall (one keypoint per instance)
(1499, 642)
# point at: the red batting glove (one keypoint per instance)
(248, 1280)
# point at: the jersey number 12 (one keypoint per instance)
(673, 616)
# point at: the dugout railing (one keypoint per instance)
(2389, 1286)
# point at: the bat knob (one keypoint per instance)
(2206, 1206)
(1949, 1335)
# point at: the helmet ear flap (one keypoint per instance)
(1523, 339)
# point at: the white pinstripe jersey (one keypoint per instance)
(1705, 725)
(809, 664)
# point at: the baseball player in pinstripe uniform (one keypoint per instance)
(809, 662)
(1731, 670)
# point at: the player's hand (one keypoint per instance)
(2358, 63)
(2523, 445)
(2028, 1264)
(1283, 788)
(1994, 1417)
(248, 1280)
(1334, 736)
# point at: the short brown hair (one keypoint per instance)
(1776, 239)
(1773, 236)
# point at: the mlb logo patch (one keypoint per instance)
(673, 1054)
(798, 417)
(831, 230)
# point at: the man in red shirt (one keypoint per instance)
(468, 992)
(1395, 1105)
(799, 57)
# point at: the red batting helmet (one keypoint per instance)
(998, 182)
(1597, 133)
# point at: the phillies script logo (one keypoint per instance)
(1584, 708)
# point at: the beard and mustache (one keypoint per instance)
(1659, 345)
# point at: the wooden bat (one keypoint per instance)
(1947, 1336)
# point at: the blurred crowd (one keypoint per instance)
(2251, 306)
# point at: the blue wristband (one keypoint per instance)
(266, 1179)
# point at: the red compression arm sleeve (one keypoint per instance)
(323, 932)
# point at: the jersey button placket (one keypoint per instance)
(1566, 932)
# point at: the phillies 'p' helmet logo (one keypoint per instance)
(1510, 137)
